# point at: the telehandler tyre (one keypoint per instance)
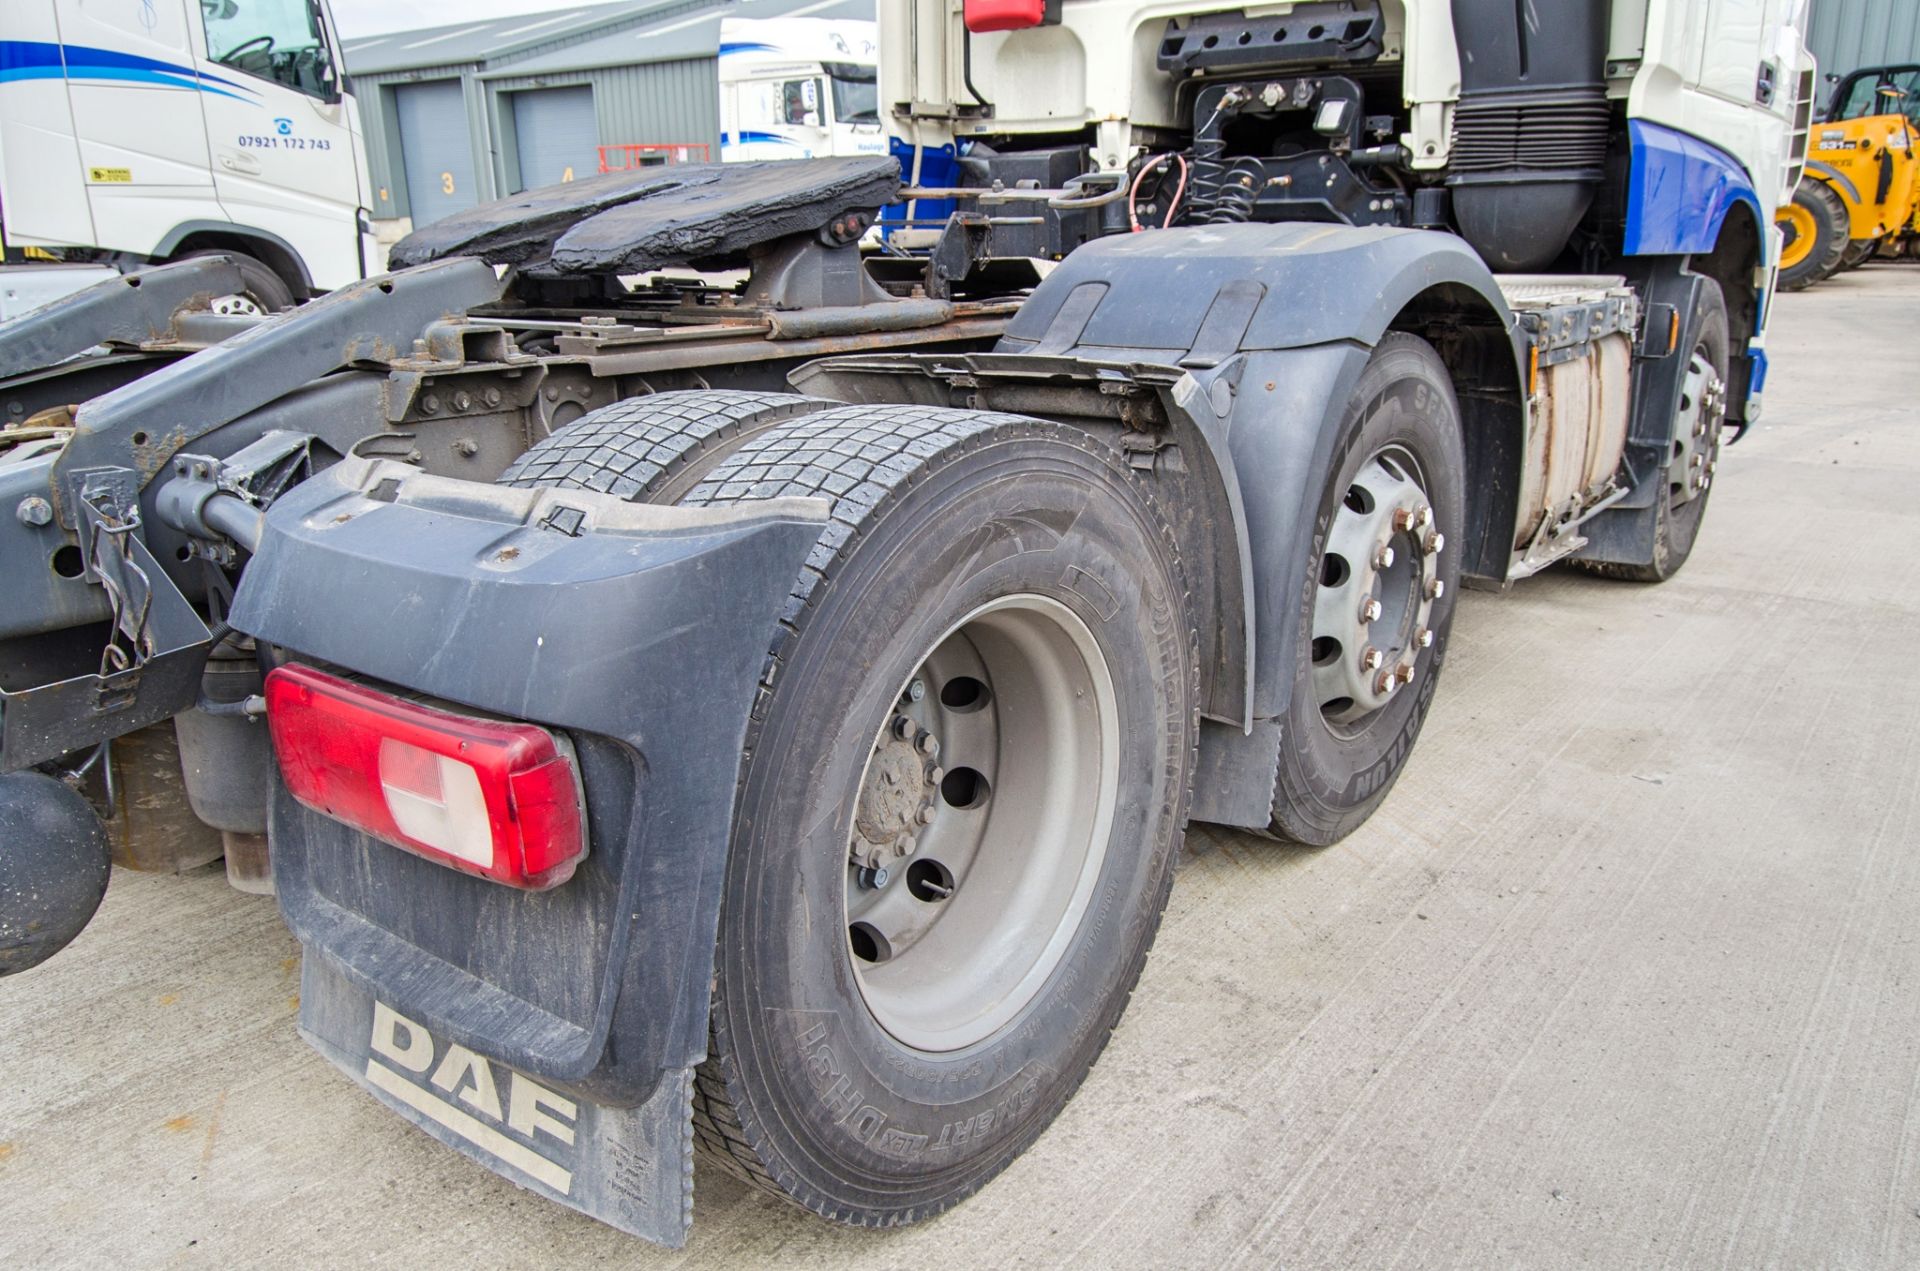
(1813, 227)
(1380, 595)
(1859, 252)
(964, 788)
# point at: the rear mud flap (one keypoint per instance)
(631, 1168)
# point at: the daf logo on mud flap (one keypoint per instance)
(459, 1089)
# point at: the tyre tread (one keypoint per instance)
(634, 448)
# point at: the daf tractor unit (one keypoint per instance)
(704, 677)
(159, 130)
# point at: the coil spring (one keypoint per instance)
(1223, 192)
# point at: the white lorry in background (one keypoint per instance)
(151, 130)
(798, 88)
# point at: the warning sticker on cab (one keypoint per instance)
(110, 176)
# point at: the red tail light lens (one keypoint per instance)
(983, 16)
(481, 796)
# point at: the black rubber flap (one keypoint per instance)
(728, 209)
(629, 221)
(512, 231)
(631, 1167)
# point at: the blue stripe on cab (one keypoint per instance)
(36, 59)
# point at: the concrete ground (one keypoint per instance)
(1625, 973)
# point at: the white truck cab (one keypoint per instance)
(798, 88)
(154, 129)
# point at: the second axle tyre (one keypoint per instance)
(965, 786)
(1379, 596)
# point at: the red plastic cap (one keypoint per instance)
(1004, 15)
(495, 799)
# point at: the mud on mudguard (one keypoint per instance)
(549, 1035)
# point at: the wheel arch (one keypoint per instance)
(269, 249)
(1739, 251)
(1471, 331)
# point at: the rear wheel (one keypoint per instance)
(1374, 622)
(964, 790)
(1813, 228)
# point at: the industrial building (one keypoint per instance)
(1848, 34)
(457, 115)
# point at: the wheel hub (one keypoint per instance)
(1380, 577)
(896, 800)
(237, 305)
(1696, 430)
(981, 823)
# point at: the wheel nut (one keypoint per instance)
(1384, 683)
(1404, 673)
(34, 511)
(926, 816)
(1423, 517)
(928, 745)
(1436, 589)
(902, 727)
(917, 690)
(1435, 541)
(1383, 559)
(1424, 638)
(1369, 609)
(935, 773)
(1369, 658)
(1403, 518)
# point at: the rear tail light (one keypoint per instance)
(482, 796)
(982, 16)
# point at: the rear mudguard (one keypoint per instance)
(550, 1035)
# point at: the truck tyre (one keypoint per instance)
(964, 787)
(1688, 478)
(1813, 228)
(266, 291)
(648, 449)
(1379, 596)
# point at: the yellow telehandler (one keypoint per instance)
(1860, 194)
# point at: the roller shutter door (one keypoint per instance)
(435, 149)
(557, 135)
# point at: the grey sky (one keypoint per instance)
(373, 17)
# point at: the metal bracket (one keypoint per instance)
(109, 505)
(150, 667)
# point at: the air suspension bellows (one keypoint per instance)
(1530, 130)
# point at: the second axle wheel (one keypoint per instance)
(1373, 624)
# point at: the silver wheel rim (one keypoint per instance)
(1379, 579)
(239, 303)
(1696, 430)
(982, 824)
